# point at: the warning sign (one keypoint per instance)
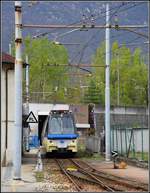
(31, 118)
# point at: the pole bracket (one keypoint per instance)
(18, 8)
(18, 40)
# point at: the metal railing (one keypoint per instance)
(130, 141)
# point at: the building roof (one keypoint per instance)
(8, 59)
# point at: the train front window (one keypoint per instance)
(55, 125)
(61, 125)
(67, 124)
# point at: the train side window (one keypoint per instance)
(44, 128)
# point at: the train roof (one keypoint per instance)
(60, 107)
(56, 107)
(82, 125)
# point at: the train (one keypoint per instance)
(59, 132)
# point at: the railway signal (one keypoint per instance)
(31, 118)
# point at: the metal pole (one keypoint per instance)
(107, 89)
(27, 81)
(27, 132)
(18, 93)
(118, 97)
(10, 49)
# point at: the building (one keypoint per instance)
(7, 108)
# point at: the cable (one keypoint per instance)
(84, 46)
(97, 17)
(80, 21)
(138, 33)
(122, 10)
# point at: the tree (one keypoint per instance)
(128, 75)
(43, 79)
(93, 94)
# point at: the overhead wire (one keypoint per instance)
(86, 44)
(118, 8)
(119, 47)
(138, 33)
(80, 21)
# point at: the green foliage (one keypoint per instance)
(93, 94)
(128, 75)
(45, 78)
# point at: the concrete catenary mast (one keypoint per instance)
(107, 87)
(18, 93)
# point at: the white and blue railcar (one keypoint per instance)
(59, 132)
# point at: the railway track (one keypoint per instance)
(84, 178)
(81, 175)
(116, 183)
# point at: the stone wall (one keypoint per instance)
(121, 115)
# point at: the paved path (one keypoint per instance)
(131, 172)
(28, 182)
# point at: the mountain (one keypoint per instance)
(51, 12)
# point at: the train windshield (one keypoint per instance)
(61, 125)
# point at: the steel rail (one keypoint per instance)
(68, 175)
(101, 183)
(101, 174)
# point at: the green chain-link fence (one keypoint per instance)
(130, 141)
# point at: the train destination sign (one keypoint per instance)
(31, 118)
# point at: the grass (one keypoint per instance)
(86, 155)
(94, 157)
(138, 155)
(39, 176)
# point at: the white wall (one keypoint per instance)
(10, 115)
(3, 115)
(35, 108)
(10, 132)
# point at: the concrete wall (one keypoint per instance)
(9, 150)
(121, 115)
(80, 113)
(93, 144)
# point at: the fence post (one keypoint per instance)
(116, 139)
(113, 136)
(120, 138)
(130, 143)
(142, 143)
(126, 139)
(110, 139)
(133, 145)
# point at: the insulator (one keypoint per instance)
(116, 19)
(92, 18)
